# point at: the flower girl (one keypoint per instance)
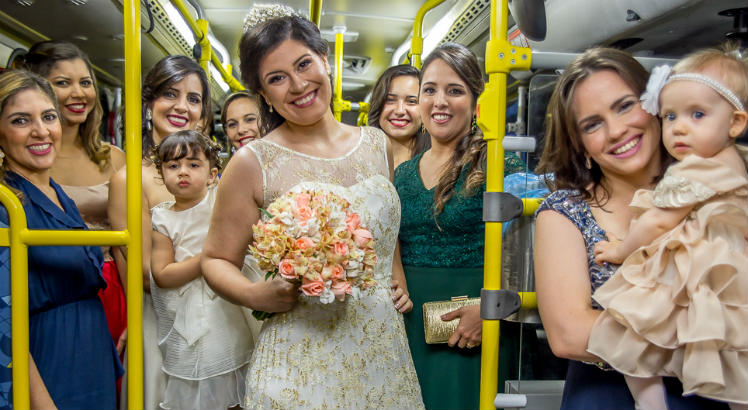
(679, 303)
(205, 340)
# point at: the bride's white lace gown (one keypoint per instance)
(349, 355)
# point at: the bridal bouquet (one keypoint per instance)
(315, 237)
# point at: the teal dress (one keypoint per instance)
(442, 261)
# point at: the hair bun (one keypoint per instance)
(261, 13)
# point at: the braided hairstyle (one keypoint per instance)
(470, 153)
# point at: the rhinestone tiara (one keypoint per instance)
(260, 13)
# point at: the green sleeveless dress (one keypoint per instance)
(442, 261)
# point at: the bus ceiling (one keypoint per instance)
(376, 33)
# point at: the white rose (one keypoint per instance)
(327, 296)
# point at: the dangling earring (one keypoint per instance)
(474, 126)
(423, 129)
(148, 119)
(271, 107)
(587, 162)
(2, 157)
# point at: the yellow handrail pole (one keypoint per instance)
(134, 205)
(315, 11)
(500, 58)
(206, 51)
(416, 42)
(363, 113)
(197, 28)
(19, 297)
(39, 237)
(337, 102)
(200, 29)
(530, 205)
(233, 83)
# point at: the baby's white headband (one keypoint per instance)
(661, 76)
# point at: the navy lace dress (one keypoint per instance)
(68, 333)
(587, 386)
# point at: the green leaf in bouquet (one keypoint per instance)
(266, 213)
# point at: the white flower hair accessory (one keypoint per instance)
(261, 13)
(651, 98)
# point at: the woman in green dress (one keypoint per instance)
(441, 231)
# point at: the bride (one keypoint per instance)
(351, 354)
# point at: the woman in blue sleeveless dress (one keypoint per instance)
(75, 364)
(601, 147)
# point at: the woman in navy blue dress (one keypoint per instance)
(601, 147)
(74, 363)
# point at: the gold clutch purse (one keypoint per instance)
(437, 330)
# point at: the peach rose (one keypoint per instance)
(302, 200)
(337, 272)
(362, 236)
(304, 213)
(341, 248)
(286, 269)
(312, 287)
(303, 243)
(340, 289)
(352, 222)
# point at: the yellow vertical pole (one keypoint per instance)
(134, 205)
(19, 304)
(338, 93)
(501, 57)
(315, 11)
(491, 119)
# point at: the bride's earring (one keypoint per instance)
(148, 119)
(271, 107)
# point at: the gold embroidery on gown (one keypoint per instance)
(353, 354)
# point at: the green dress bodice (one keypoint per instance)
(448, 240)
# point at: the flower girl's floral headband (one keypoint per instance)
(261, 13)
(661, 76)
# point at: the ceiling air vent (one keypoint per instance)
(470, 24)
(355, 65)
(165, 33)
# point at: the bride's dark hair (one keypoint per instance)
(258, 41)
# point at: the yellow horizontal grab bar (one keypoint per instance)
(73, 238)
(528, 300)
(530, 205)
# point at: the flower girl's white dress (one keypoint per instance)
(205, 340)
(342, 355)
